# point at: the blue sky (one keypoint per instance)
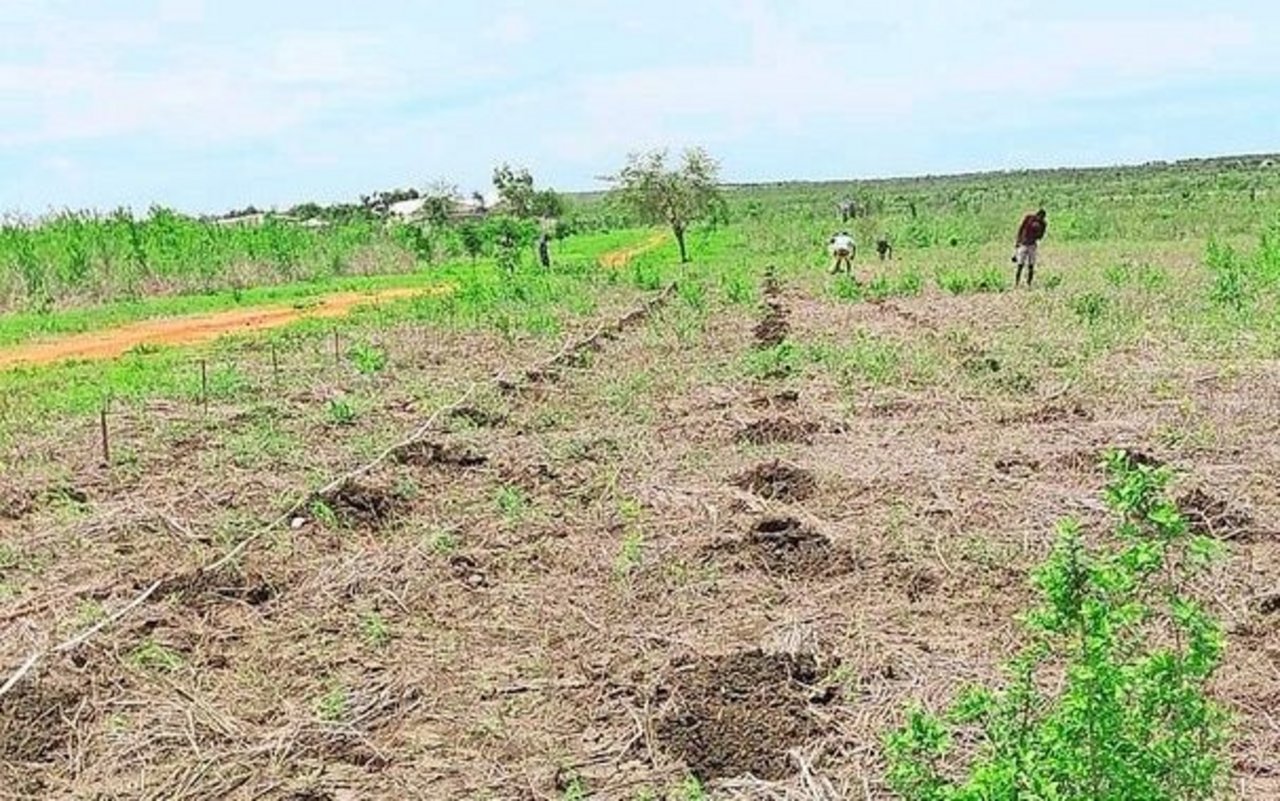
(209, 104)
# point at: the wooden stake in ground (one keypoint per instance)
(204, 385)
(106, 438)
(275, 366)
(337, 350)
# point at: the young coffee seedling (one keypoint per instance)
(341, 412)
(1109, 701)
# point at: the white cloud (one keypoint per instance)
(180, 12)
(511, 29)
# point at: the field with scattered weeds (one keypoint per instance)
(631, 529)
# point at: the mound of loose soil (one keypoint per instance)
(772, 288)
(1211, 516)
(778, 481)
(358, 504)
(224, 585)
(1269, 604)
(771, 331)
(739, 714)
(33, 722)
(774, 430)
(783, 546)
(431, 454)
(15, 504)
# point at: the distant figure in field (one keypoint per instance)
(544, 251)
(848, 210)
(1030, 233)
(842, 250)
(884, 249)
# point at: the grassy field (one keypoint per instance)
(718, 550)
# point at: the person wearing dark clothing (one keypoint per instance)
(544, 251)
(1030, 233)
(884, 249)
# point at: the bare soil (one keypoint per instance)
(739, 714)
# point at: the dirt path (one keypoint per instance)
(623, 256)
(192, 329)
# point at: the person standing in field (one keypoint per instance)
(884, 249)
(1030, 233)
(847, 210)
(544, 251)
(842, 250)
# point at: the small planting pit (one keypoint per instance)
(1059, 413)
(360, 505)
(1017, 466)
(778, 481)
(739, 715)
(783, 546)
(474, 416)
(783, 399)
(1210, 516)
(435, 454)
(777, 430)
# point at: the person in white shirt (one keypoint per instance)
(842, 250)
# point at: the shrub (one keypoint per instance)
(1090, 307)
(1109, 701)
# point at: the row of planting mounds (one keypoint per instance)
(739, 715)
(773, 329)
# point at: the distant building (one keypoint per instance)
(407, 209)
(255, 219)
(463, 208)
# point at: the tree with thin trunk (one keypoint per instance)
(676, 196)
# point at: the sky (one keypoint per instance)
(206, 105)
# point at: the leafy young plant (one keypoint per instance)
(341, 412)
(1109, 701)
(1090, 307)
(367, 358)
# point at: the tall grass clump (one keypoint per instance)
(88, 256)
(1109, 700)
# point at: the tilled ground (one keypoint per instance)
(620, 576)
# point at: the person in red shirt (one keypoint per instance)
(1030, 233)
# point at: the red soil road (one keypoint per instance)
(192, 329)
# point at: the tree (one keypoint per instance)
(472, 239)
(524, 201)
(548, 204)
(674, 196)
(440, 198)
(515, 187)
